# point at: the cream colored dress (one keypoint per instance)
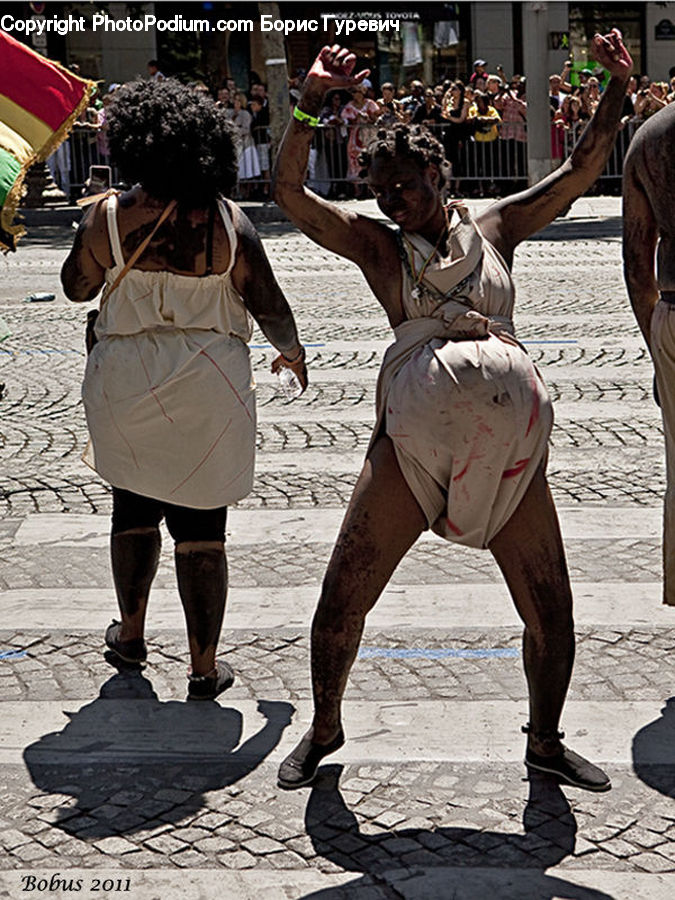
(467, 412)
(168, 390)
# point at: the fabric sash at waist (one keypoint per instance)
(452, 320)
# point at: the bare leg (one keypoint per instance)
(135, 556)
(382, 522)
(530, 553)
(201, 571)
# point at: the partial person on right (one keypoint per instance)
(649, 237)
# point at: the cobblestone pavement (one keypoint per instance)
(610, 665)
(69, 802)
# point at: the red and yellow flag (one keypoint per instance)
(39, 101)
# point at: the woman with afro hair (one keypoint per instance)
(168, 389)
(463, 417)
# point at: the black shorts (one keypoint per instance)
(185, 524)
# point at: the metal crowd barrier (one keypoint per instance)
(85, 151)
(499, 166)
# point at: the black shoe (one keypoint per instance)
(299, 767)
(570, 768)
(207, 687)
(133, 652)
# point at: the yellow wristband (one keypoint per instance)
(305, 117)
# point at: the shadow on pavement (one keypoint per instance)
(449, 862)
(129, 759)
(654, 752)
(580, 229)
(55, 237)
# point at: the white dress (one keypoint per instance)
(168, 391)
(464, 406)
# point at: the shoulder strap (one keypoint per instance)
(209, 239)
(226, 216)
(113, 230)
(141, 247)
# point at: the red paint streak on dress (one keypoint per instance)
(232, 387)
(517, 469)
(534, 414)
(451, 525)
(150, 387)
(460, 475)
(204, 458)
(238, 474)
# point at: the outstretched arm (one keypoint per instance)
(351, 235)
(640, 237)
(512, 220)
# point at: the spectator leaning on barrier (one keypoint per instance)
(335, 140)
(512, 107)
(487, 121)
(429, 112)
(359, 114)
(455, 109)
(260, 112)
(390, 107)
(414, 99)
(249, 167)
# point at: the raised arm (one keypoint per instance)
(254, 280)
(351, 235)
(640, 238)
(512, 220)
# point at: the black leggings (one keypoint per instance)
(132, 511)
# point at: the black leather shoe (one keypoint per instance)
(299, 767)
(570, 768)
(133, 651)
(207, 687)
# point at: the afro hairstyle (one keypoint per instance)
(173, 141)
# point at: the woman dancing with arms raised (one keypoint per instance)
(463, 417)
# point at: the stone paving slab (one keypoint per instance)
(366, 819)
(252, 527)
(109, 729)
(264, 566)
(450, 662)
(623, 606)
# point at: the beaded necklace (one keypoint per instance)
(421, 288)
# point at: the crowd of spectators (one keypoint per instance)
(86, 152)
(481, 121)
(482, 118)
